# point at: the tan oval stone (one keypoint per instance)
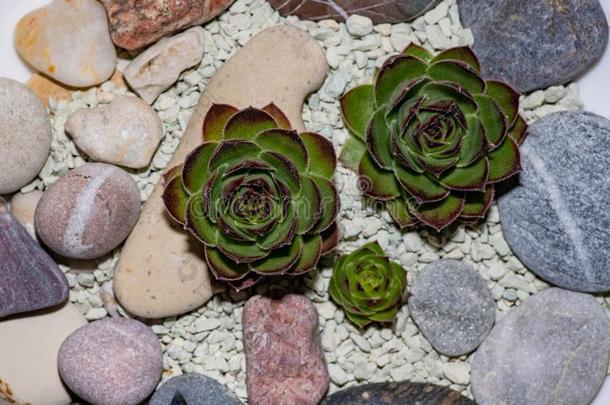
(161, 271)
(23, 206)
(29, 346)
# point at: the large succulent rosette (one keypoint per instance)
(431, 138)
(367, 285)
(257, 194)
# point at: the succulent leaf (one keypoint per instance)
(357, 107)
(367, 285)
(438, 138)
(258, 195)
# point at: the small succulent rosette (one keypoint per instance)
(431, 138)
(257, 194)
(368, 286)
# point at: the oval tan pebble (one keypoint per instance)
(23, 206)
(25, 135)
(88, 212)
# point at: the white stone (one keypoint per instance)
(126, 132)
(158, 67)
(458, 373)
(555, 93)
(359, 26)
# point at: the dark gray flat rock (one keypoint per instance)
(29, 278)
(193, 389)
(452, 306)
(534, 44)
(553, 349)
(558, 220)
(400, 393)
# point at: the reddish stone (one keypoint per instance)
(380, 11)
(136, 23)
(284, 358)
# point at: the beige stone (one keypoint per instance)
(28, 351)
(161, 271)
(23, 206)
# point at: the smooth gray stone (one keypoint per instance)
(193, 389)
(452, 306)
(397, 393)
(29, 278)
(558, 220)
(553, 349)
(534, 44)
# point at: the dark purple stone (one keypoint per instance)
(29, 278)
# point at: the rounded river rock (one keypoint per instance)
(557, 220)
(88, 212)
(553, 349)
(115, 361)
(452, 306)
(194, 389)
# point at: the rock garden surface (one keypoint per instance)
(210, 339)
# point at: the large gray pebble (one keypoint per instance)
(452, 306)
(25, 135)
(535, 44)
(551, 350)
(557, 221)
(115, 361)
(194, 389)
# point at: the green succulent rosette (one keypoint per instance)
(257, 194)
(431, 138)
(368, 286)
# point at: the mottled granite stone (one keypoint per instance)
(452, 306)
(397, 393)
(137, 23)
(284, 358)
(535, 44)
(193, 389)
(380, 11)
(29, 278)
(553, 349)
(557, 220)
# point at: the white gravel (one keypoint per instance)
(209, 340)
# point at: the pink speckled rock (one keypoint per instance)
(284, 358)
(88, 212)
(115, 361)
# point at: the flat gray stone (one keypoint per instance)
(534, 44)
(553, 349)
(452, 306)
(29, 278)
(558, 220)
(194, 389)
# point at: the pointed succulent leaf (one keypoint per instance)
(330, 204)
(506, 97)
(420, 186)
(376, 182)
(195, 171)
(308, 205)
(439, 215)
(357, 108)
(285, 171)
(280, 260)
(493, 119)
(248, 123)
(238, 251)
(176, 200)
(171, 173)
(284, 142)
(476, 205)
(278, 116)
(504, 162)
(352, 152)
(396, 73)
(223, 268)
(330, 238)
(417, 51)
(458, 72)
(378, 140)
(463, 54)
(399, 211)
(469, 178)
(519, 130)
(322, 157)
(232, 152)
(215, 121)
(310, 255)
(199, 224)
(474, 142)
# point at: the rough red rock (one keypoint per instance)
(284, 359)
(136, 23)
(380, 11)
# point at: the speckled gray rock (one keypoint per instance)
(195, 389)
(534, 44)
(29, 278)
(126, 132)
(553, 349)
(557, 220)
(158, 67)
(115, 361)
(397, 393)
(452, 306)
(25, 135)
(88, 212)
